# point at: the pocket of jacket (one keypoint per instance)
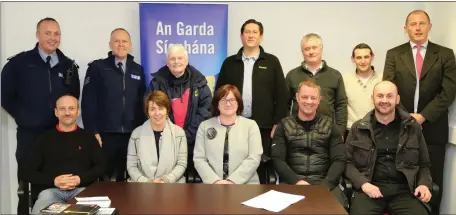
(411, 154)
(361, 153)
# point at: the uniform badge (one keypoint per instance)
(136, 77)
(87, 80)
(211, 133)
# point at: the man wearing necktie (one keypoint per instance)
(31, 82)
(112, 101)
(425, 74)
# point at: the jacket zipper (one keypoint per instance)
(123, 99)
(308, 157)
(372, 155)
(190, 106)
(50, 86)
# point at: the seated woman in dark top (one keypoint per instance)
(157, 151)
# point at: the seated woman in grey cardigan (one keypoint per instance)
(228, 146)
(157, 151)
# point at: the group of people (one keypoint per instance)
(381, 131)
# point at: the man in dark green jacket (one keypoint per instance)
(334, 99)
(387, 159)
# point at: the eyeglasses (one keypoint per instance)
(226, 101)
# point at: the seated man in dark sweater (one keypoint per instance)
(308, 148)
(387, 159)
(65, 160)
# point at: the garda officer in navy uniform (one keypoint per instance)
(112, 101)
(31, 82)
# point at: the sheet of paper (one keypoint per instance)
(103, 204)
(273, 201)
(105, 211)
(95, 198)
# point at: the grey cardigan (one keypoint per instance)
(245, 150)
(142, 162)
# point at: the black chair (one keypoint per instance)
(270, 176)
(349, 190)
(192, 176)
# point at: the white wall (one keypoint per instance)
(86, 27)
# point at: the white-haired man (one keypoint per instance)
(188, 91)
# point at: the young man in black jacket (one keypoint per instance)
(259, 77)
(64, 160)
(112, 101)
(307, 148)
(31, 82)
(387, 159)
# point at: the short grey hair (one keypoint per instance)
(310, 36)
(176, 48)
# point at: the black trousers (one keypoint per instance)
(397, 200)
(266, 142)
(115, 146)
(437, 156)
(26, 139)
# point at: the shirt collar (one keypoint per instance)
(376, 123)
(319, 68)
(54, 57)
(253, 58)
(424, 45)
(60, 130)
(124, 62)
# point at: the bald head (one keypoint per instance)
(385, 98)
(67, 99)
(385, 86)
(67, 111)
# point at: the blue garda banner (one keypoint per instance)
(201, 28)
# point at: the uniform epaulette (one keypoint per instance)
(93, 61)
(17, 55)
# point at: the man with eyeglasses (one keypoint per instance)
(425, 74)
(31, 82)
(112, 101)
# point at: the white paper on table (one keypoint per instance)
(273, 201)
(95, 198)
(105, 211)
(103, 204)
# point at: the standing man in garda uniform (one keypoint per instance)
(112, 101)
(31, 83)
(259, 77)
(425, 75)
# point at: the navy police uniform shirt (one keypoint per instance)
(30, 88)
(112, 101)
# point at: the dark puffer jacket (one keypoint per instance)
(314, 154)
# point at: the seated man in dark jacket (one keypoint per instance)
(308, 148)
(387, 159)
(65, 159)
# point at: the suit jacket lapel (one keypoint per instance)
(430, 58)
(407, 58)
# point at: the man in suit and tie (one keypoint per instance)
(425, 74)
